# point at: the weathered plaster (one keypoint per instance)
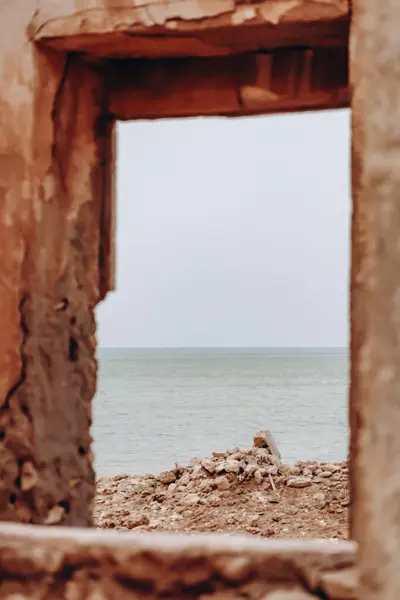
(375, 310)
(158, 28)
(57, 218)
(41, 563)
(50, 180)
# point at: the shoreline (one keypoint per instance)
(236, 491)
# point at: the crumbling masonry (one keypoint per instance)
(69, 69)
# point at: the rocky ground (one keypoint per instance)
(233, 491)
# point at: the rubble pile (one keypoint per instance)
(238, 490)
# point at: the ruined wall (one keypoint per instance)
(375, 311)
(165, 28)
(51, 209)
(44, 563)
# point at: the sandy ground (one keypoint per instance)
(235, 491)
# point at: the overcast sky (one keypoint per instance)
(231, 233)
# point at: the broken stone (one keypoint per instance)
(184, 480)
(291, 470)
(272, 470)
(340, 585)
(222, 483)
(298, 482)
(330, 467)
(232, 466)
(234, 569)
(258, 476)
(229, 466)
(250, 470)
(55, 515)
(208, 465)
(197, 472)
(29, 477)
(167, 477)
(172, 488)
(320, 497)
(237, 456)
(264, 439)
(191, 500)
(206, 485)
(260, 440)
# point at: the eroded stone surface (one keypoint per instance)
(375, 289)
(51, 177)
(56, 225)
(39, 562)
(160, 28)
(341, 585)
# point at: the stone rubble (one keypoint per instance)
(238, 490)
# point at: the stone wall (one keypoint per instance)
(42, 563)
(54, 153)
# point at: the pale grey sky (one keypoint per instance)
(232, 233)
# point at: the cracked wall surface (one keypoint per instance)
(40, 563)
(51, 211)
(156, 28)
(375, 310)
(57, 217)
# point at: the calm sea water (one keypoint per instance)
(157, 407)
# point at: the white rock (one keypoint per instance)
(29, 477)
(55, 515)
(237, 456)
(176, 517)
(219, 454)
(272, 470)
(319, 497)
(330, 467)
(172, 488)
(213, 498)
(222, 483)
(293, 470)
(206, 485)
(197, 472)
(258, 476)
(250, 469)
(208, 465)
(298, 482)
(184, 480)
(191, 500)
(232, 466)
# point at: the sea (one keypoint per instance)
(157, 407)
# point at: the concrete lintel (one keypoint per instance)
(158, 28)
(280, 81)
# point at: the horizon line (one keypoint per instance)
(223, 347)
